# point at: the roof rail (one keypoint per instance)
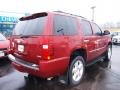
(70, 14)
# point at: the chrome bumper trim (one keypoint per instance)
(23, 63)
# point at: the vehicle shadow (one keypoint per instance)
(94, 74)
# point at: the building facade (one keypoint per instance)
(7, 24)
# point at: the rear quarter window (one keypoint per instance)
(65, 25)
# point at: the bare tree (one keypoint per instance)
(108, 25)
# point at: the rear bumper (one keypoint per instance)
(23, 63)
(44, 69)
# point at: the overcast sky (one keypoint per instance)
(105, 11)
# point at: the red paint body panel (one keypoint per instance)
(4, 45)
(50, 68)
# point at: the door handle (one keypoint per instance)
(86, 40)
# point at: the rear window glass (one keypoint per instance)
(30, 27)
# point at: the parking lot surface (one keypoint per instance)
(97, 77)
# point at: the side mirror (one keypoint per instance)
(106, 32)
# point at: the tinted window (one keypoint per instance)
(96, 29)
(86, 28)
(72, 26)
(64, 25)
(30, 27)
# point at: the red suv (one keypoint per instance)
(4, 44)
(51, 44)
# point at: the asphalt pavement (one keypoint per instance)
(97, 77)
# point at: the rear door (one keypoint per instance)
(65, 35)
(88, 40)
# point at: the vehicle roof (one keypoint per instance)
(54, 12)
(68, 14)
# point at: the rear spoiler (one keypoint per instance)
(33, 16)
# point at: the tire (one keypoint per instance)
(107, 61)
(76, 71)
(108, 53)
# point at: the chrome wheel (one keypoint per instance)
(109, 52)
(77, 71)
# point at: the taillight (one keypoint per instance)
(47, 52)
(11, 46)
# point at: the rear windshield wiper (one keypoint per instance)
(24, 36)
(27, 36)
(61, 30)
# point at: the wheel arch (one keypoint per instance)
(80, 51)
(110, 43)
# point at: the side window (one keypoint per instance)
(86, 28)
(96, 29)
(64, 25)
(72, 26)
